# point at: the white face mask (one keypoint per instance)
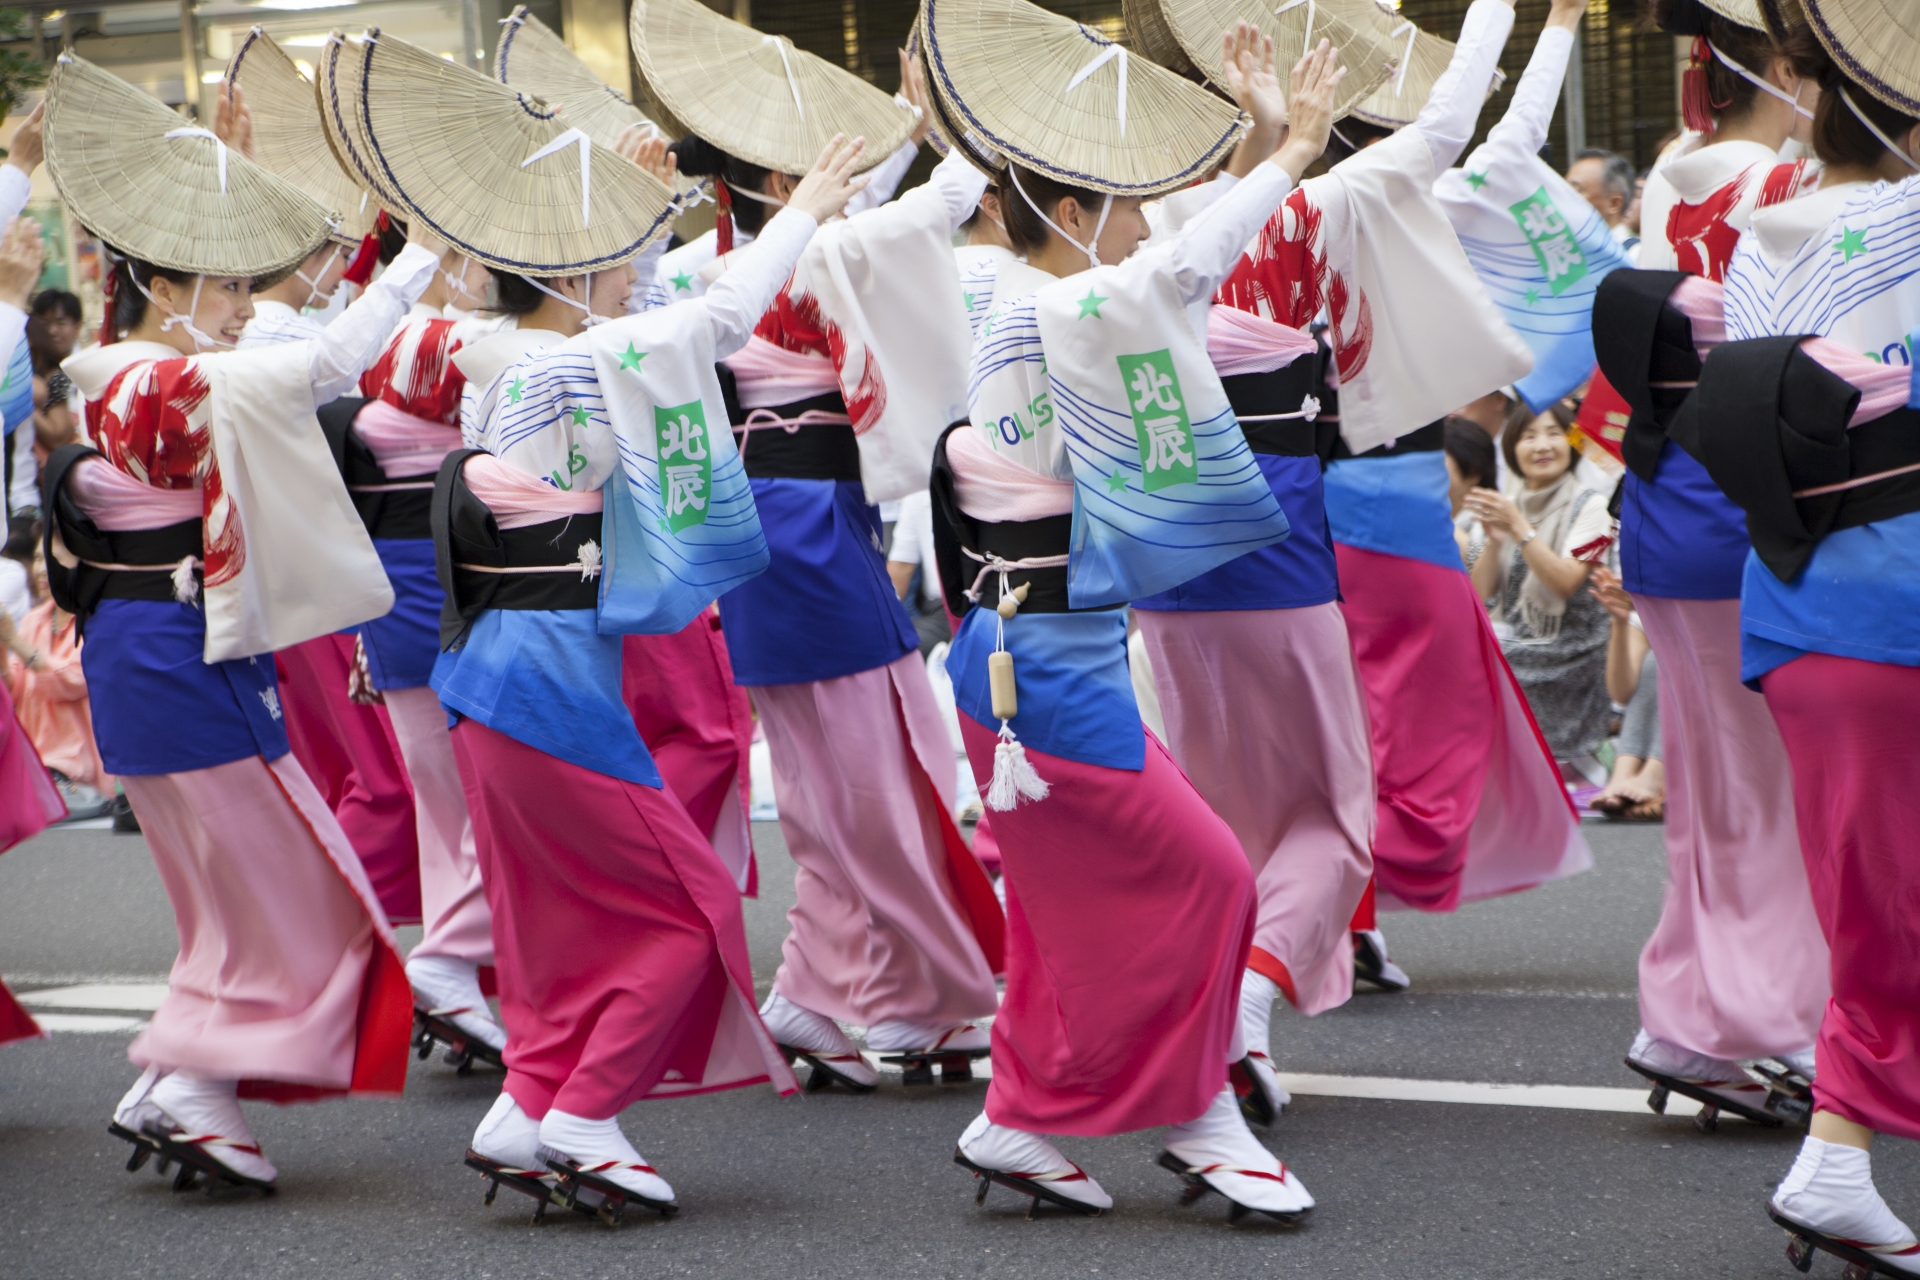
(313, 282)
(201, 341)
(1091, 247)
(1765, 86)
(587, 306)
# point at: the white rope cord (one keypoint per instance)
(1766, 86)
(195, 131)
(1307, 45)
(1100, 60)
(1874, 129)
(792, 84)
(313, 283)
(1309, 410)
(587, 306)
(202, 341)
(755, 196)
(573, 137)
(1091, 247)
(1406, 54)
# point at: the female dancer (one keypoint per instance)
(1736, 969)
(618, 939)
(207, 531)
(840, 394)
(1125, 963)
(1828, 628)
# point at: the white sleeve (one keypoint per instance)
(1453, 107)
(25, 494)
(351, 344)
(885, 179)
(959, 184)
(16, 188)
(1534, 98)
(646, 268)
(1205, 251)
(754, 278)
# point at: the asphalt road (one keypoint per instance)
(1532, 989)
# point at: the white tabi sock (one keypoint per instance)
(1257, 994)
(600, 1148)
(789, 1024)
(203, 1108)
(510, 1136)
(1004, 1150)
(1830, 1189)
(1218, 1146)
(442, 984)
(896, 1036)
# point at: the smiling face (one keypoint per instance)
(220, 310)
(1543, 451)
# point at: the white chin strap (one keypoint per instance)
(457, 285)
(755, 196)
(586, 306)
(313, 282)
(1874, 129)
(202, 341)
(1765, 86)
(1090, 247)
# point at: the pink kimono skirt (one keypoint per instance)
(698, 726)
(288, 977)
(349, 752)
(453, 903)
(1264, 713)
(1130, 909)
(1470, 801)
(1737, 967)
(619, 946)
(893, 917)
(28, 804)
(1849, 730)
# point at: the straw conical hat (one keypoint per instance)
(1746, 13)
(1418, 59)
(532, 59)
(185, 202)
(944, 124)
(289, 139)
(1296, 27)
(756, 96)
(336, 87)
(1877, 43)
(1063, 100)
(458, 150)
(1149, 32)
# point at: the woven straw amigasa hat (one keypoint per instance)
(1062, 100)
(160, 189)
(532, 59)
(1184, 36)
(288, 138)
(1876, 42)
(1418, 59)
(496, 173)
(756, 96)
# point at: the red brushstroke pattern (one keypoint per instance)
(795, 323)
(1703, 241)
(155, 424)
(1784, 182)
(416, 373)
(1284, 276)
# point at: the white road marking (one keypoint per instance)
(140, 997)
(87, 1023)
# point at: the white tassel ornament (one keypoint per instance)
(185, 589)
(1013, 777)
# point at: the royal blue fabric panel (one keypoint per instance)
(1680, 537)
(1070, 673)
(1292, 574)
(402, 646)
(1858, 597)
(548, 678)
(825, 607)
(1396, 505)
(158, 707)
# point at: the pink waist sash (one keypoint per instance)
(116, 501)
(518, 499)
(403, 444)
(768, 374)
(989, 487)
(1241, 342)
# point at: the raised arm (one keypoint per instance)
(23, 157)
(1453, 107)
(1524, 126)
(354, 340)
(884, 179)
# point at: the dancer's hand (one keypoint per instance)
(1314, 80)
(29, 146)
(21, 253)
(1247, 56)
(830, 183)
(913, 87)
(644, 145)
(232, 122)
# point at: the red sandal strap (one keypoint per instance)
(1204, 1169)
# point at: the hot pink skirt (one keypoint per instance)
(618, 941)
(698, 726)
(1130, 908)
(1471, 804)
(28, 803)
(1850, 731)
(350, 753)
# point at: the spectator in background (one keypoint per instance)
(1554, 634)
(1637, 788)
(50, 700)
(910, 560)
(53, 420)
(1606, 179)
(16, 580)
(1632, 220)
(53, 330)
(1471, 464)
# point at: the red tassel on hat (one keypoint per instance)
(1696, 100)
(367, 256)
(723, 224)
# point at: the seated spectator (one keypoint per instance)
(1544, 538)
(50, 700)
(1637, 787)
(1471, 464)
(1608, 182)
(910, 561)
